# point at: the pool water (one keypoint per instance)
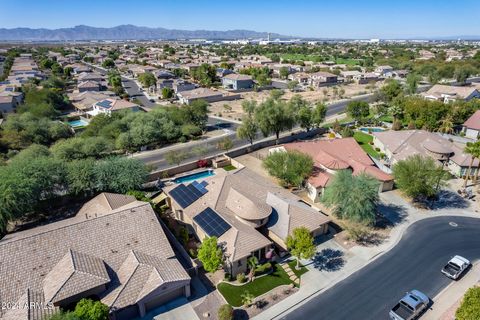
(78, 123)
(195, 176)
(367, 130)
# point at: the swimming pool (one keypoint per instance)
(194, 176)
(372, 129)
(78, 123)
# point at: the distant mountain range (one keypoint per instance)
(124, 32)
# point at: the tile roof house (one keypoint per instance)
(471, 127)
(236, 81)
(109, 105)
(332, 155)
(117, 252)
(88, 85)
(84, 101)
(209, 95)
(240, 208)
(446, 93)
(399, 145)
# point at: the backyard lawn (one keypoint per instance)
(363, 140)
(257, 287)
(298, 273)
(229, 167)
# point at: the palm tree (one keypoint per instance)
(252, 263)
(473, 149)
(446, 125)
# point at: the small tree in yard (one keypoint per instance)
(291, 167)
(87, 309)
(418, 176)
(352, 198)
(210, 254)
(175, 157)
(301, 244)
(247, 298)
(252, 264)
(470, 307)
(225, 312)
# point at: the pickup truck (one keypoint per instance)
(410, 306)
(455, 267)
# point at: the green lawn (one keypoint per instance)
(257, 287)
(229, 167)
(386, 118)
(363, 140)
(349, 62)
(298, 273)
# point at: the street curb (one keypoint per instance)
(372, 259)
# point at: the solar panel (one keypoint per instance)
(186, 195)
(200, 187)
(104, 104)
(211, 223)
(204, 183)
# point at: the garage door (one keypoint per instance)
(164, 298)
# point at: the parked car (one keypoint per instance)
(455, 267)
(410, 306)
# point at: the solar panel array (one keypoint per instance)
(200, 186)
(211, 223)
(186, 195)
(105, 104)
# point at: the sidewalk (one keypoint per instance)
(447, 301)
(315, 282)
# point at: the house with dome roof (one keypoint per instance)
(249, 215)
(399, 145)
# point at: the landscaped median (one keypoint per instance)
(261, 285)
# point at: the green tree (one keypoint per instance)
(205, 74)
(391, 90)
(210, 254)
(274, 116)
(358, 110)
(249, 106)
(318, 115)
(352, 197)
(119, 174)
(291, 167)
(284, 72)
(417, 176)
(225, 312)
(305, 117)
(81, 177)
(248, 129)
(176, 157)
(412, 83)
(446, 125)
(472, 149)
(247, 298)
(108, 63)
(252, 264)
(301, 244)
(87, 309)
(167, 93)
(147, 79)
(470, 306)
(225, 144)
(292, 85)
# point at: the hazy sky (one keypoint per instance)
(339, 18)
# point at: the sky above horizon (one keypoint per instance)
(325, 19)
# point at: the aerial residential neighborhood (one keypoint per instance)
(197, 161)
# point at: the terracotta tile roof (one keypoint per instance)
(474, 121)
(337, 154)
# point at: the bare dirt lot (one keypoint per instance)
(233, 109)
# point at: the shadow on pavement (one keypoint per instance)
(449, 199)
(328, 260)
(390, 215)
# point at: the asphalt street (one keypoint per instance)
(414, 263)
